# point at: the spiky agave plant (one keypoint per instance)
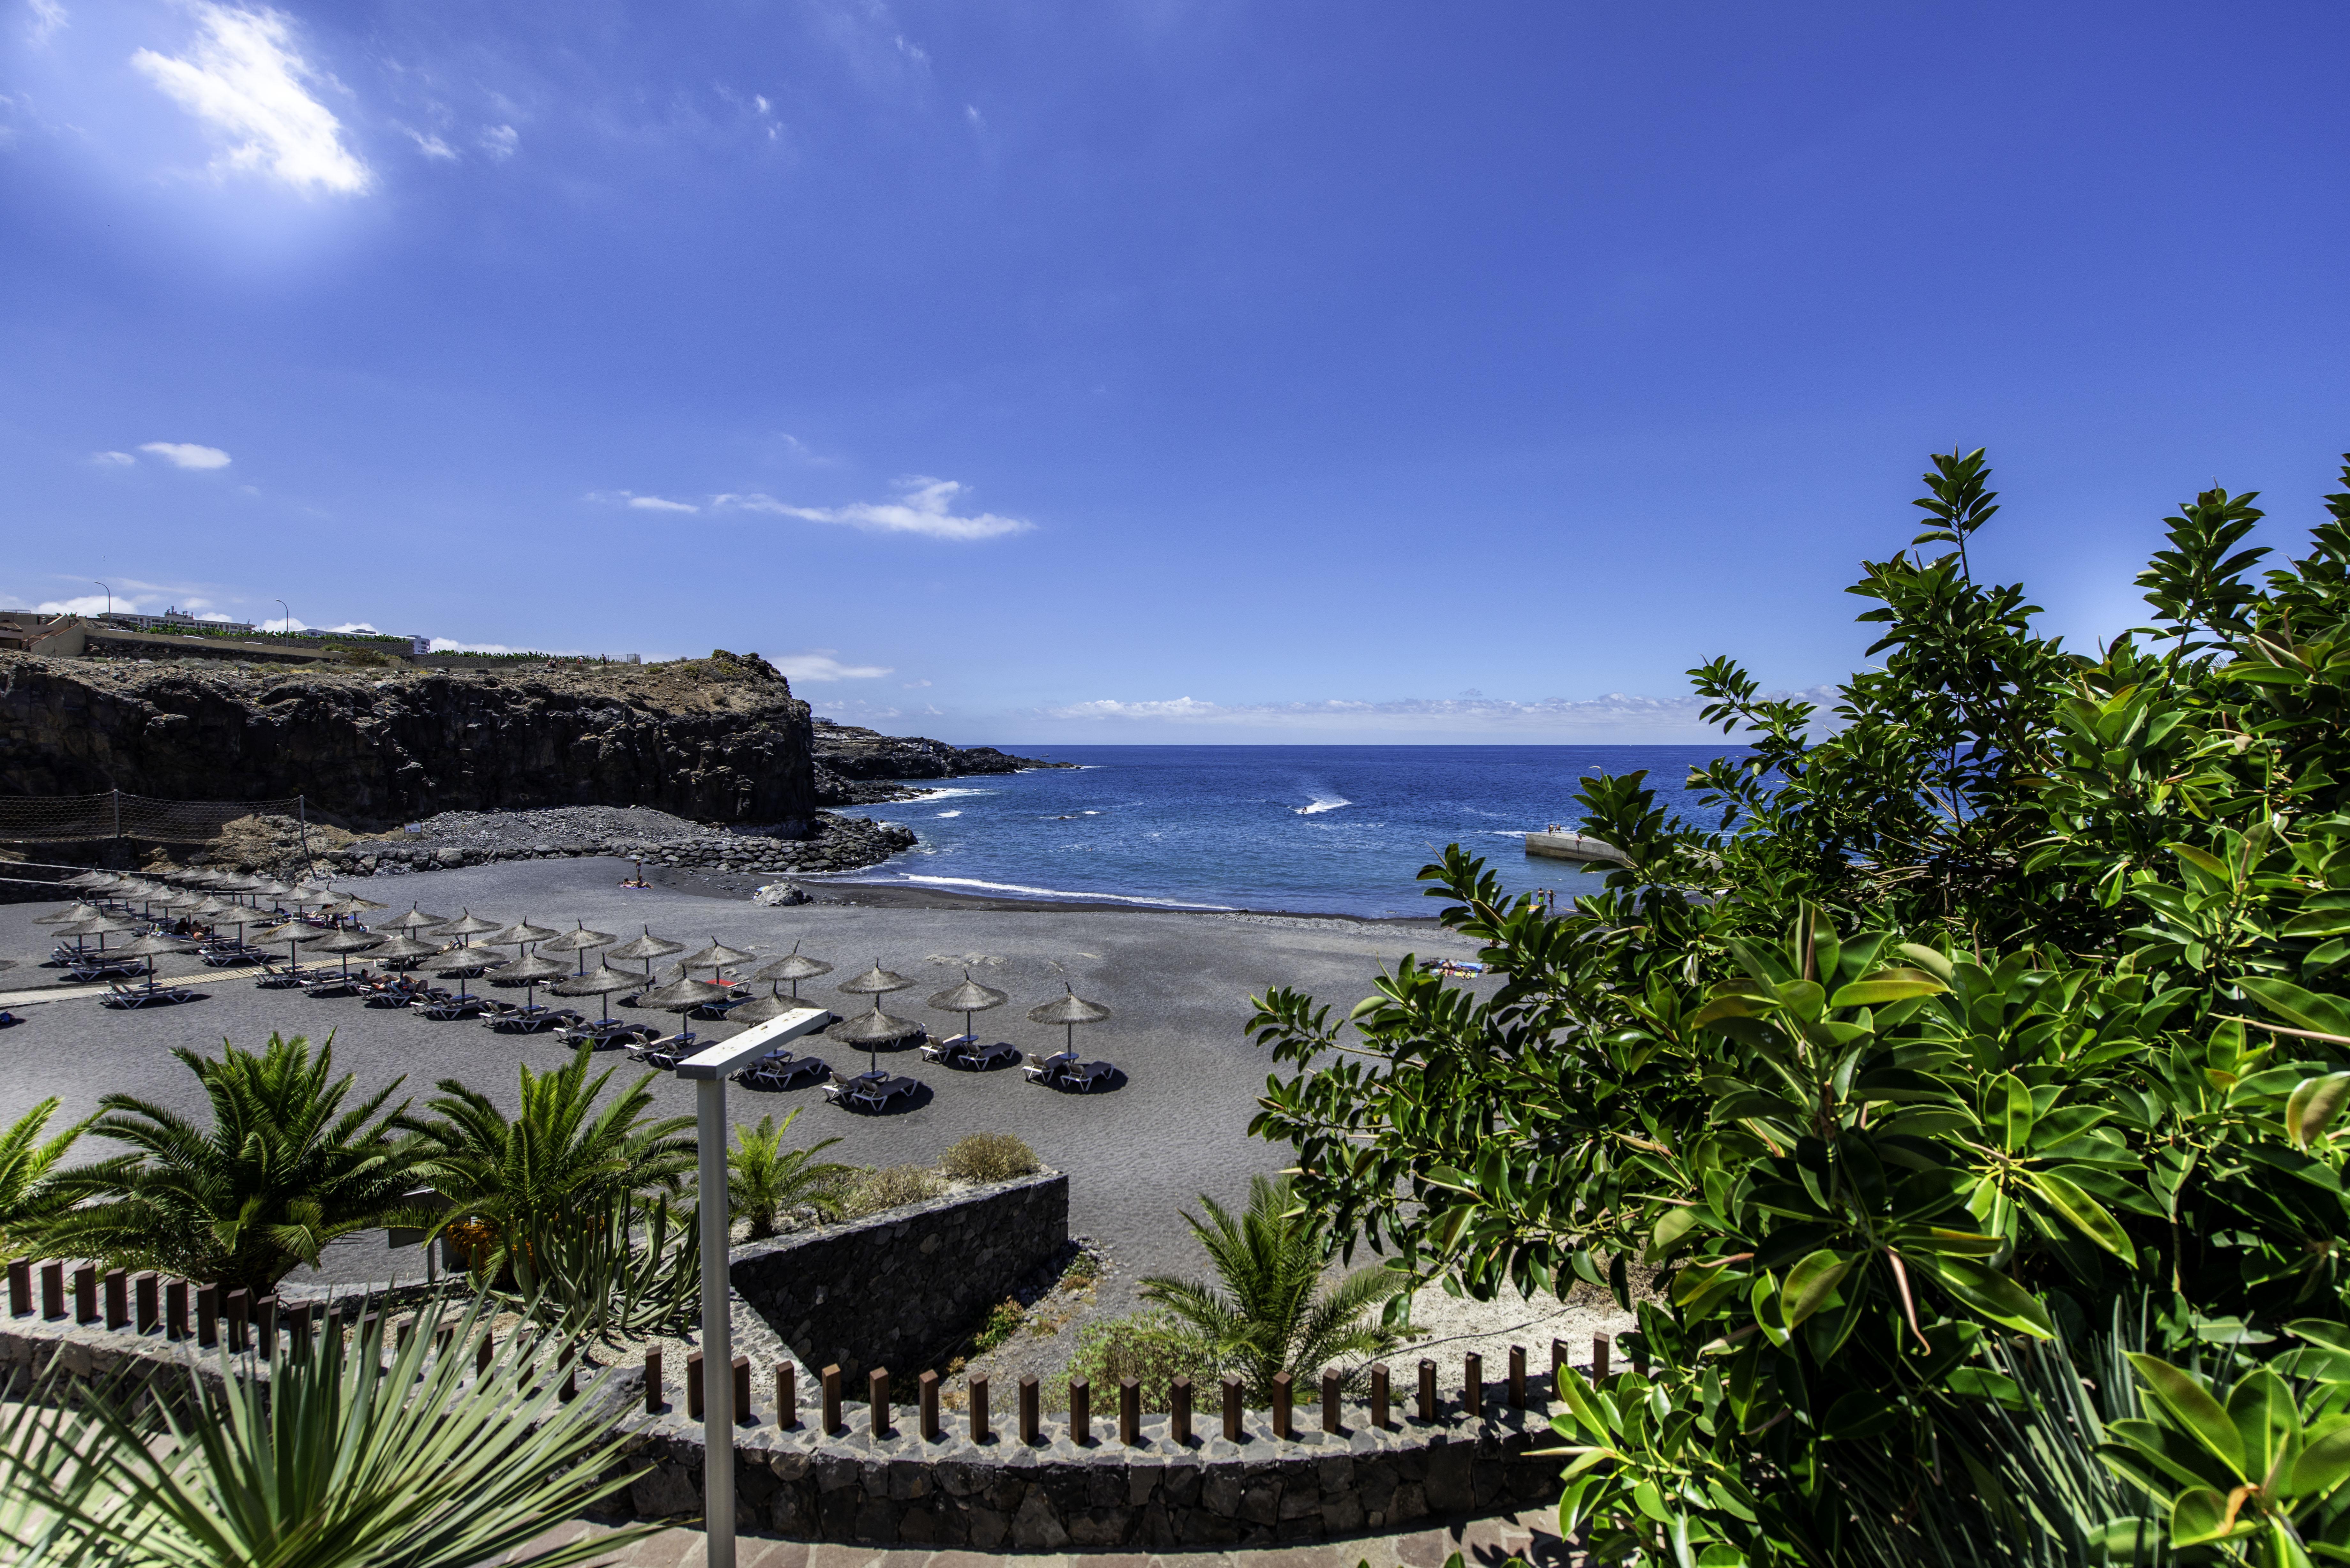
(340, 1459)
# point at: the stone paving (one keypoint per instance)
(1532, 1536)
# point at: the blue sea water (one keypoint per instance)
(1306, 829)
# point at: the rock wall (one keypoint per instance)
(720, 739)
(896, 1288)
(854, 765)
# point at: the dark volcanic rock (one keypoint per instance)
(852, 763)
(719, 738)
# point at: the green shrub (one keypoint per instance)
(892, 1186)
(1002, 1323)
(989, 1156)
(1152, 1347)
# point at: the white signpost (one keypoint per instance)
(709, 1070)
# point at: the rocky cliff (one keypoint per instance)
(718, 740)
(851, 763)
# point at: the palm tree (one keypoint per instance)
(339, 1460)
(559, 1161)
(283, 1170)
(29, 1194)
(763, 1178)
(1271, 1314)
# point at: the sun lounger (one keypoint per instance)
(511, 1020)
(783, 1071)
(143, 995)
(870, 1091)
(331, 984)
(223, 955)
(963, 1052)
(109, 969)
(667, 1051)
(445, 1009)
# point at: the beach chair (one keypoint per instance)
(128, 996)
(446, 1008)
(1048, 1069)
(1086, 1076)
(331, 984)
(783, 1071)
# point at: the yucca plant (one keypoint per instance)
(763, 1178)
(283, 1169)
(29, 1197)
(560, 1160)
(340, 1459)
(1271, 1314)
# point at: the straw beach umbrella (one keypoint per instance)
(415, 921)
(792, 967)
(69, 915)
(578, 941)
(760, 1009)
(644, 950)
(404, 950)
(717, 955)
(967, 998)
(873, 1029)
(602, 982)
(681, 995)
(521, 934)
(530, 969)
(343, 944)
(875, 981)
(1068, 1012)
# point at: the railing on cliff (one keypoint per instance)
(80, 818)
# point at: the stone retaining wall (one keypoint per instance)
(899, 1289)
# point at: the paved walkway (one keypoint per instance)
(1483, 1543)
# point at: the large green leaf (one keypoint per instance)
(2302, 1009)
(1811, 1282)
(2312, 1105)
(2191, 1405)
(1886, 985)
(2084, 1214)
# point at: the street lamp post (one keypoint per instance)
(110, 595)
(289, 618)
(709, 1070)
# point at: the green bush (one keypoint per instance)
(1153, 1348)
(989, 1156)
(2005, 996)
(1003, 1322)
(892, 1186)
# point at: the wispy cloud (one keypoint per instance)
(187, 453)
(925, 506)
(500, 141)
(642, 503)
(47, 17)
(112, 459)
(1614, 716)
(431, 146)
(247, 81)
(819, 664)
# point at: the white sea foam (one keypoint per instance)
(1030, 892)
(949, 792)
(1322, 803)
(949, 814)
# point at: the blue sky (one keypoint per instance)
(1153, 371)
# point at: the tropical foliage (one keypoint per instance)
(1266, 1312)
(765, 1180)
(2000, 1002)
(29, 1197)
(351, 1456)
(285, 1167)
(559, 1161)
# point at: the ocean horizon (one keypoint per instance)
(1302, 829)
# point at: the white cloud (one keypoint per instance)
(47, 17)
(112, 459)
(926, 507)
(431, 146)
(455, 645)
(657, 504)
(912, 685)
(818, 664)
(1614, 716)
(187, 453)
(500, 141)
(90, 604)
(347, 625)
(245, 80)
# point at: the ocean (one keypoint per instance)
(1302, 829)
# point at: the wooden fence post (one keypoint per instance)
(1379, 1395)
(982, 1430)
(1130, 1412)
(1473, 1386)
(656, 1395)
(877, 1392)
(926, 1396)
(1517, 1377)
(788, 1395)
(1081, 1412)
(1427, 1389)
(1030, 1421)
(1281, 1406)
(1178, 1418)
(1232, 1406)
